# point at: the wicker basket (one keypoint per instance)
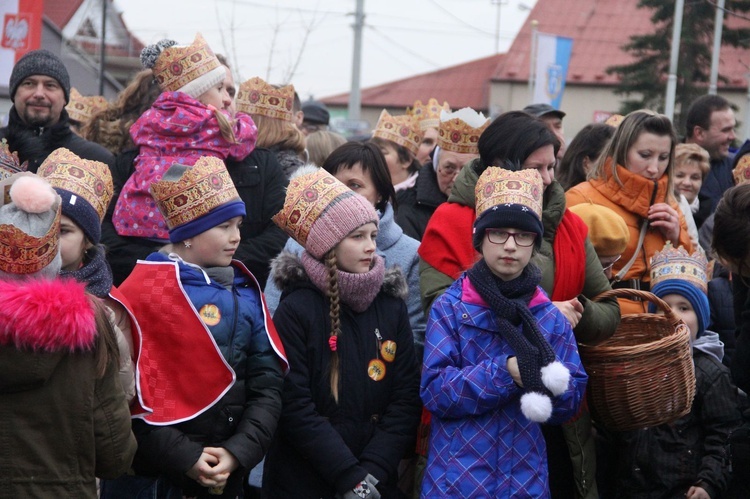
(643, 375)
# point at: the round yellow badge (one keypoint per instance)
(376, 369)
(388, 350)
(210, 314)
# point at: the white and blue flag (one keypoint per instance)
(552, 59)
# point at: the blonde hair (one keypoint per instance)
(334, 313)
(274, 132)
(634, 124)
(693, 154)
(321, 144)
(225, 126)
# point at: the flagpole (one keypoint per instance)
(675, 54)
(532, 58)
(716, 52)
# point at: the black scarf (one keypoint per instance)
(34, 144)
(510, 302)
(96, 273)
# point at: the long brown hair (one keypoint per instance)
(334, 313)
(106, 340)
(275, 132)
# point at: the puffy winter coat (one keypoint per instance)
(481, 444)
(631, 201)
(61, 423)
(323, 448)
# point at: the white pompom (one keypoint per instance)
(556, 377)
(32, 194)
(536, 406)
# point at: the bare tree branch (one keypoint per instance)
(309, 27)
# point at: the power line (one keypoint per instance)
(403, 47)
(452, 15)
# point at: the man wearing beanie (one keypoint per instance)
(38, 122)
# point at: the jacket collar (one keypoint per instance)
(428, 189)
(634, 193)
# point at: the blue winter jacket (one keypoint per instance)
(481, 444)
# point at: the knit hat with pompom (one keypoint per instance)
(29, 227)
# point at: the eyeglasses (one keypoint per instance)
(610, 264)
(523, 239)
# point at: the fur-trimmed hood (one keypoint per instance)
(288, 273)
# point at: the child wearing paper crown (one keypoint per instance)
(351, 401)
(688, 457)
(64, 419)
(85, 189)
(186, 122)
(210, 365)
(499, 357)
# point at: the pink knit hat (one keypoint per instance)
(319, 211)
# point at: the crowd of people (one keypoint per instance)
(208, 293)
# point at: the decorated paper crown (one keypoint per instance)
(83, 178)
(200, 189)
(403, 130)
(614, 120)
(82, 108)
(319, 211)
(428, 115)
(255, 96)
(671, 263)
(177, 66)
(9, 162)
(22, 253)
(459, 132)
(498, 186)
(741, 172)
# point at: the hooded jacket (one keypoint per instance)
(322, 448)
(631, 201)
(34, 144)
(61, 424)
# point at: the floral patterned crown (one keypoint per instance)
(255, 96)
(9, 162)
(200, 189)
(90, 180)
(741, 172)
(428, 115)
(403, 130)
(498, 186)
(177, 66)
(677, 263)
(82, 108)
(459, 132)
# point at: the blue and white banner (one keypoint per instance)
(552, 59)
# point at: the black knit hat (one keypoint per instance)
(40, 62)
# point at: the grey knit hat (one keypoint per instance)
(40, 62)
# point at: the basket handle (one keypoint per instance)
(644, 295)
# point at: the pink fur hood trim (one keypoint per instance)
(48, 315)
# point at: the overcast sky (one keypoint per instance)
(312, 40)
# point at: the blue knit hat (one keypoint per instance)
(675, 272)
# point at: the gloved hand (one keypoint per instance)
(364, 489)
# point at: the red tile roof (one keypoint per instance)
(599, 29)
(60, 11)
(464, 85)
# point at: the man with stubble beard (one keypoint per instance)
(38, 123)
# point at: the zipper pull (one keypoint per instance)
(377, 334)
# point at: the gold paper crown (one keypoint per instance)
(177, 66)
(255, 96)
(498, 186)
(82, 108)
(307, 197)
(21, 253)
(428, 115)
(741, 172)
(90, 180)
(200, 189)
(457, 136)
(9, 162)
(403, 130)
(671, 263)
(614, 120)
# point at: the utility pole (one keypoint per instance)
(716, 52)
(674, 56)
(497, 25)
(532, 60)
(355, 97)
(102, 47)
